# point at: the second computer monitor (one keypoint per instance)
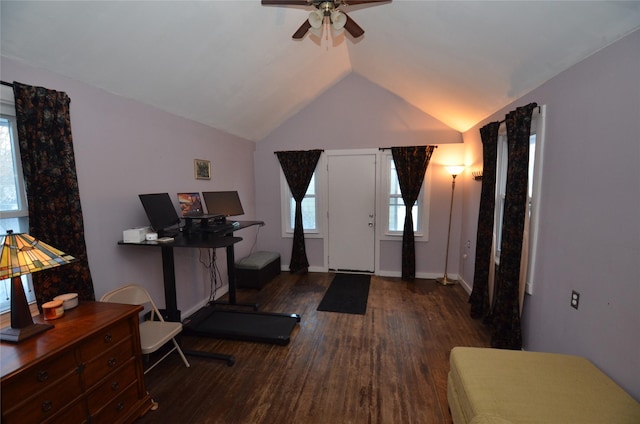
(225, 203)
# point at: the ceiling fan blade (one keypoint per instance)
(352, 27)
(285, 2)
(302, 30)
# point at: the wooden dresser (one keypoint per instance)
(87, 369)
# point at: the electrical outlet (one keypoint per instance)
(575, 299)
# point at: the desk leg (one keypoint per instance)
(169, 274)
(231, 273)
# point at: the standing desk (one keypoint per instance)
(205, 241)
(209, 321)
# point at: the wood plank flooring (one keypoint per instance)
(387, 366)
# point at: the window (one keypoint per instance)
(501, 186)
(536, 143)
(394, 210)
(311, 205)
(13, 203)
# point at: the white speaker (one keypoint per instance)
(135, 235)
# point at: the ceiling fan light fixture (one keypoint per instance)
(338, 20)
(316, 18)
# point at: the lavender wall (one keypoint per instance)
(590, 211)
(124, 148)
(356, 114)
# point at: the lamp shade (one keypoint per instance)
(316, 18)
(22, 254)
(454, 169)
(338, 20)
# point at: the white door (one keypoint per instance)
(352, 200)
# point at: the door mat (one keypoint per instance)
(347, 294)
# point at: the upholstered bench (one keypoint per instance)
(257, 269)
(505, 386)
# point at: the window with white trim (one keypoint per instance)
(14, 213)
(311, 204)
(394, 210)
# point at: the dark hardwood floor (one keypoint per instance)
(387, 366)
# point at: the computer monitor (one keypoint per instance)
(160, 211)
(225, 203)
(190, 204)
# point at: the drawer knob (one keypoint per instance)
(46, 406)
(120, 406)
(43, 376)
(115, 386)
(112, 362)
(108, 338)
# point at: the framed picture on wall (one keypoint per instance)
(202, 169)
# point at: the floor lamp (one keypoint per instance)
(454, 171)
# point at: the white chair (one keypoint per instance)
(153, 334)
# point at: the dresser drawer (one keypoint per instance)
(104, 340)
(119, 408)
(74, 414)
(37, 378)
(45, 404)
(112, 386)
(109, 361)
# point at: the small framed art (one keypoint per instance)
(202, 169)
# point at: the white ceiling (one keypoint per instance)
(232, 65)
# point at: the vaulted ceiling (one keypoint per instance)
(232, 65)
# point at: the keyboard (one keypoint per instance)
(218, 228)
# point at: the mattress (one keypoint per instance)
(506, 386)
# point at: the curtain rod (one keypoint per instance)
(312, 150)
(505, 119)
(8, 84)
(388, 148)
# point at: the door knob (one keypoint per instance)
(371, 224)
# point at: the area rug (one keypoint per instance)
(347, 294)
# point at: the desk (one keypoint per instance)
(206, 241)
(249, 326)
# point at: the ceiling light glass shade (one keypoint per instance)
(315, 19)
(316, 31)
(338, 20)
(455, 169)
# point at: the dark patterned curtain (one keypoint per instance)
(48, 164)
(411, 164)
(479, 298)
(298, 167)
(506, 313)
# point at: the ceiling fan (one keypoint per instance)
(325, 9)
